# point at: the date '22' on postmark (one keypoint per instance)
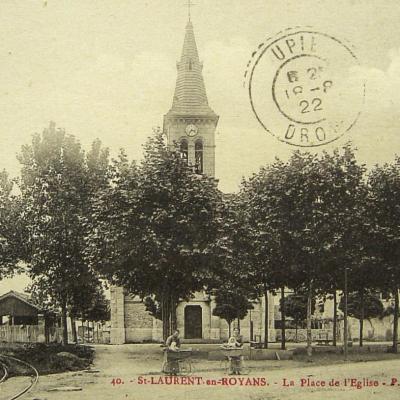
(305, 87)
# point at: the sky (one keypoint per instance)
(107, 69)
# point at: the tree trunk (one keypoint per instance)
(164, 333)
(266, 312)
(173, 304)
(73, 328)
(229, 328)
(395, 319)
(334, 318)
(295, 335)
(309, 309)
(361, 316)
(166, 315)
(64, 324)
(283, 319)
(238, 324)
(345, 327)
(83, 330)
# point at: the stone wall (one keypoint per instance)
(138, 322)
(130, 322)
(375, 330)
(117, 302)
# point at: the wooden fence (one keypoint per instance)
(93, 334)
(29, 334)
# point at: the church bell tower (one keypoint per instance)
(190, 123)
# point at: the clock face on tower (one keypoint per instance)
(191, 130)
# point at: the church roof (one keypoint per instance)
(190, 96)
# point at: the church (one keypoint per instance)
(191, 123)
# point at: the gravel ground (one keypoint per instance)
(137, 366)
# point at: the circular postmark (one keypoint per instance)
(304, 87)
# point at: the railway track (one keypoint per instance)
(7, 363)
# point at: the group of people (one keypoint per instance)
(173, 344)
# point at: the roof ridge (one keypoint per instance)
(21, 296)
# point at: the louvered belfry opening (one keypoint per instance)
(184, 149)
(198, 156)
(190, 117)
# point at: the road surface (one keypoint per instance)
(137, 366)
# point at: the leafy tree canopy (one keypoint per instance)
(11, 228)
(373, 307)
(58, 181)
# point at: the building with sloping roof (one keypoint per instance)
(17, 309)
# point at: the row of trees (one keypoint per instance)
(43, 223)
(320, 224)
(163, 232)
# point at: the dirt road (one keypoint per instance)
(137, 367)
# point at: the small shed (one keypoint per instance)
(17, 309)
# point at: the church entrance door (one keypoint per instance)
(193, 322)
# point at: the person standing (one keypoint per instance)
(174, 338)
(173, 344)
(235, 361)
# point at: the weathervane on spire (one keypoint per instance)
(189, 4)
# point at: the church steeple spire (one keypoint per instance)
(190, 123)
(189, 5)
(190, 94)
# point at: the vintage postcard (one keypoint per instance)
(199, 199)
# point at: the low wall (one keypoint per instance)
(301, 335)
(255, 354)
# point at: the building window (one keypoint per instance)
(184, 150)
(198, 156)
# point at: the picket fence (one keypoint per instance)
(29, 334)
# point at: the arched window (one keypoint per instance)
(184, 150)
(198, 156)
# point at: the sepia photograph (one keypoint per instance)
(199, 199)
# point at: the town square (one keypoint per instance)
(199, 199)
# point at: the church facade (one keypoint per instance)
(191, 124)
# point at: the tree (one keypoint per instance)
(11, 227)
(98, 309)
(231, 252)
(384, 240)
(154, 226)
(306, 216)
(345, 204)
(364, 305)
(261, 196)
(296, 308)
(285, 197)
(231, 305)
(58, 181)
(153, 307)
